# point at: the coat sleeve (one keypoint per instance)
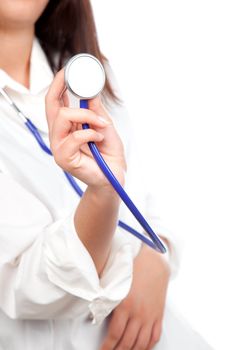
(45, 270)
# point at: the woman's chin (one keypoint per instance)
(21, 12)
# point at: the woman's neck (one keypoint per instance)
(15, 51)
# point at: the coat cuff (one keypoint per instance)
(70, 267)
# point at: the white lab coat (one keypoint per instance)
(50, 293)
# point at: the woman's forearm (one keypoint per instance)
(95, 222)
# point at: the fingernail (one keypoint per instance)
(103, 120)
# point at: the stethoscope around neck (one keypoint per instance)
(85, 79)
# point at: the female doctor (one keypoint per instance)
(69, 277)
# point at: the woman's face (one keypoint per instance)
(20, 13)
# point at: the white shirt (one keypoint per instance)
(49, 284)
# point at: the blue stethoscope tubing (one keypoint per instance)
(155, 241)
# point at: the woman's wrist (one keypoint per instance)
(103, 196)
(106, 188)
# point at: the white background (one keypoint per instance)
(174, 63)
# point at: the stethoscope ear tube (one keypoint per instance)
(155, 242)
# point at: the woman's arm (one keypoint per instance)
(97, 213)
(45, 269)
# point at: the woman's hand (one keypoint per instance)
(68, 141)
(136, 323)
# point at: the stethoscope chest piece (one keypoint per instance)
(84, 76)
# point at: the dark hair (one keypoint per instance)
(67, 27)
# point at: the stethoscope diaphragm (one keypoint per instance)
(84, 76)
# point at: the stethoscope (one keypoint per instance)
(85, 79)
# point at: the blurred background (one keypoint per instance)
(174, 63)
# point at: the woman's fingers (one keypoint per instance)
(143, 338)
(155, 334)
(130, 335)
(116, 329)
(67, 150)
(62, 126)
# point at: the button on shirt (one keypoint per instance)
(50, 290)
